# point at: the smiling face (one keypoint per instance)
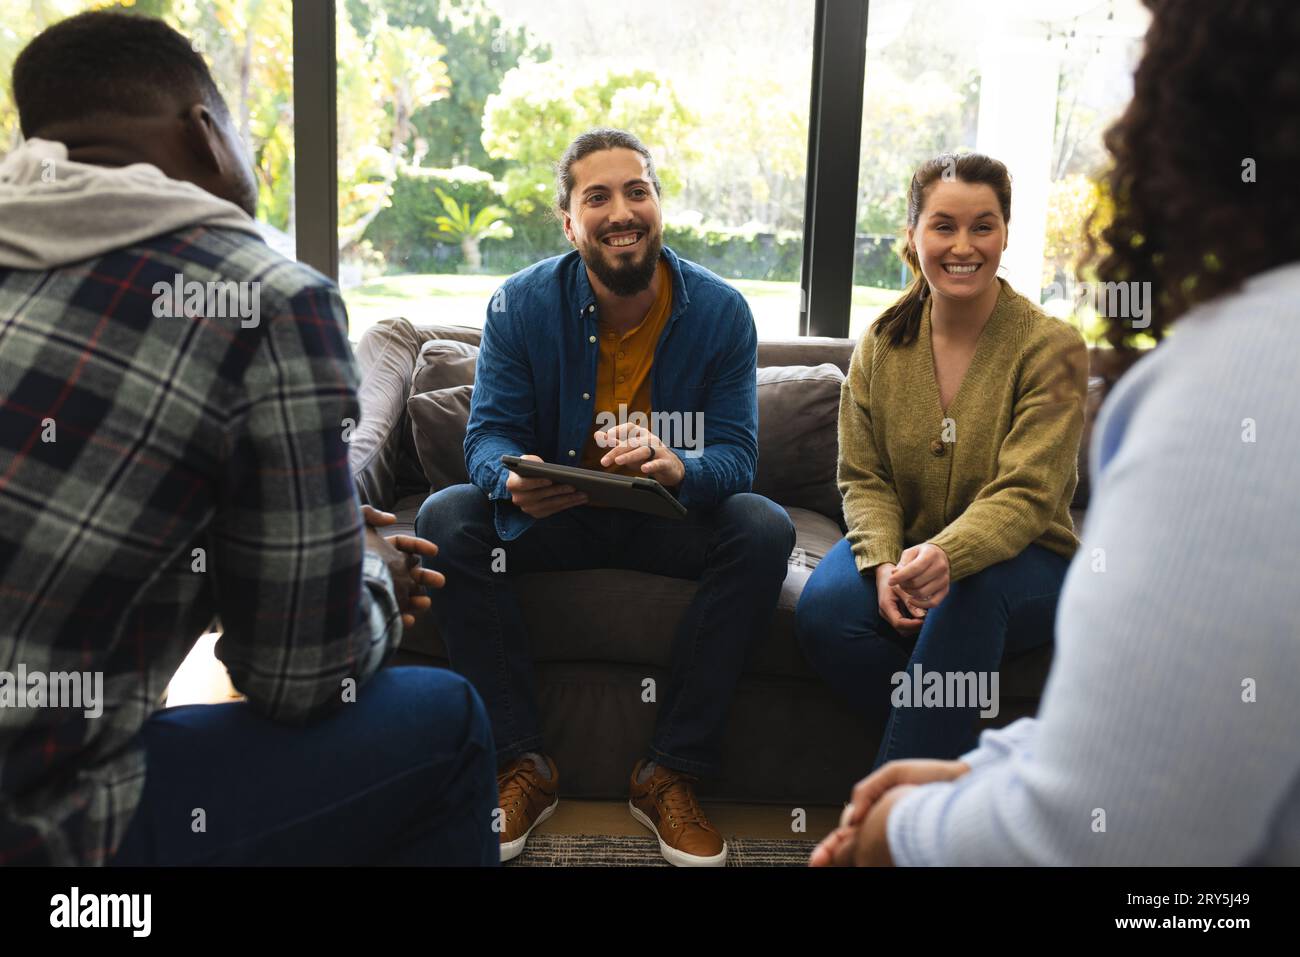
(614, 219)
(959, 238)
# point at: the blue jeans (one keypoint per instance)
(737, 550)
(1007, 608)
(405, 775)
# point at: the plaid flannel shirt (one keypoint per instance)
(154, 473)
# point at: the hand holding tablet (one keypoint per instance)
(536, 495)
(545, 489)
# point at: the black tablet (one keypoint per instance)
(634, 492)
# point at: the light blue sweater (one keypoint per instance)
(1172, 714)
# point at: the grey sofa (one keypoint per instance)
(789, 740)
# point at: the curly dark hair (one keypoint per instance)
(1203, 183)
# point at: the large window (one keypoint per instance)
(451, 116)
(1034, 84)
(248, 45)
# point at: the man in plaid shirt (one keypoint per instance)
(175, 401)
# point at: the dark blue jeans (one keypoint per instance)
(405, 775)
(1007, 608)
(737, 550)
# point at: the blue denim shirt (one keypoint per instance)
(535, 383)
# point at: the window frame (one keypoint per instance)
(834, 143)
(315, 122)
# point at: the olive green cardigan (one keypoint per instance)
(993, 475)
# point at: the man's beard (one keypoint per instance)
(631, 275)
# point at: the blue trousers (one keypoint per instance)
(1007, 608)
(737, 550)
(405, 775)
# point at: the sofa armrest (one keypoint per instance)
(386, 355)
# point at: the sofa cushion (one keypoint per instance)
(440, 364)
(386, 355)
(571, 607)
(438, 421)
(444, 363)
(798, 414)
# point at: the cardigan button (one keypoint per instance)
(937, 447)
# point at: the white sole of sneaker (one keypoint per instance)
(512, 849)
(673, 856)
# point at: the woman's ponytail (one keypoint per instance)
(901, 322)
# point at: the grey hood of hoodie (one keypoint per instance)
(54, 212)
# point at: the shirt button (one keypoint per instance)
(591, 308)
(621, 378)
(591, 338)
(621, 354)
(586, 395)
(572, 453)
(937, 447)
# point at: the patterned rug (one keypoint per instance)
(602, 850)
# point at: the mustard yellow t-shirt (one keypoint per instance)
(623, 373)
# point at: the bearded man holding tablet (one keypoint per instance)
(618, 330)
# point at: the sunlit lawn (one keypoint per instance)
(449, 299)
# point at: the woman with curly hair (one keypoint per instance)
(959, 431)
(1167, 732)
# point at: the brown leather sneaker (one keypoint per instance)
(526, 800)
(666, 804)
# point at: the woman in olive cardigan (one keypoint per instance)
(959, 429)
